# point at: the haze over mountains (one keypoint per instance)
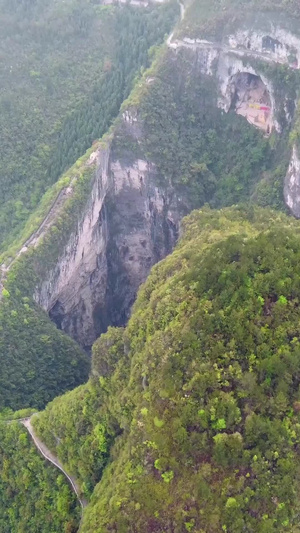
(183, 410)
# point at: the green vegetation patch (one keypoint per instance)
(38, 362)
(214, 19)
(201, 389)
(35, 497)
(65, 68)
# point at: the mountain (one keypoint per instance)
(212, 121)
(66, 68)
(190, 419)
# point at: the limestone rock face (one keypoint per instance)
(228, 66)
(260, 40)
(127, 226)
(292, 184)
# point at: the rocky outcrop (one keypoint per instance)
(226, 68)
(128, 224)
(292, 184)
(279, 44)
(273, 37)
(241, 52)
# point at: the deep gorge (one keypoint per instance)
(132, 217)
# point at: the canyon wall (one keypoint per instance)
(128, 224)
(292, 184)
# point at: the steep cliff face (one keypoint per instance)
(128, 225)
(272, 40)
(292, 184)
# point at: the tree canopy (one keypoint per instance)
(191, 416)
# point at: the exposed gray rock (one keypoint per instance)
(225, 66)
(127, 226)
(259, 41)
(292, 184)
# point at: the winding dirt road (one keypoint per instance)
(199, 44)
(196, 44)
(182, 12)
(47, 454)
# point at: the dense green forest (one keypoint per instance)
(35, 497)
(37, 361)
(208, 156)
(216, 18)
(65, 68)
(196, 402)
(188, 418)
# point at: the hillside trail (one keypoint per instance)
(49, 456)
(36, 236)
(62, 196)
(33, 240)
(196, 44)
(182, 12)
(202, 44)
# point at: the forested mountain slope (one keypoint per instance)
(225, 59)
(34, 496)
(190, 419)
(178, 143)
(209, 122)
(207, 155)
(215, 18)
(65, 68)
